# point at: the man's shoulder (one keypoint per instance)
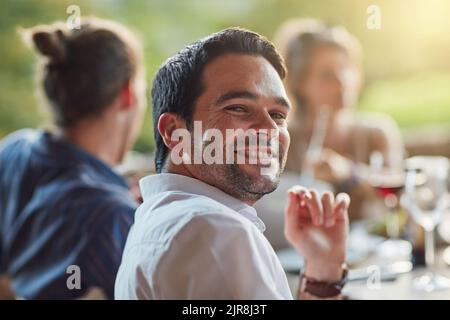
(87, 207)
(163, 239)
(173, 210)
(22, 135)
(17, 141)
(177, 237)
(158, 225)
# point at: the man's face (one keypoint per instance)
(244, 92)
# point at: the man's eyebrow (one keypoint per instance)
(249, 95)
(235, 95)
(283, 102)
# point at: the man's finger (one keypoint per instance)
(315, 208)
(292, 205)
(298, 205)
(296, 199)
(341, 206)
(328, 212)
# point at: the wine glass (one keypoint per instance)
(426, 198)
(389, 184)
(315, 146)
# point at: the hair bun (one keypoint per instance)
(50, 44)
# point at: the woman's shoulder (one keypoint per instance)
(373, 124)
(376, 131)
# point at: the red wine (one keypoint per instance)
(388, 183)
(384, 191)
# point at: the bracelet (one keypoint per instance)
(323, 289)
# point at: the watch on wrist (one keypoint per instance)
(323, 289)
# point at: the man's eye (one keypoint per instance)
(236, 108)
(278, 116)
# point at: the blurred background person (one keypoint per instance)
(61, 204)
(324, 82)
(331, 141)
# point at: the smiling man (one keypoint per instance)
(197, 235)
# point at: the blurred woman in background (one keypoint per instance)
(329, 138)
(332, 145)
(64, 213)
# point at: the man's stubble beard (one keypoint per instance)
(236, 182)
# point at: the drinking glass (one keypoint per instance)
(426, 197)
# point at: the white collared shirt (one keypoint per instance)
(191, 240)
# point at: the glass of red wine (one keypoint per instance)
(389, 184)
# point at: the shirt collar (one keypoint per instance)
(163, 182)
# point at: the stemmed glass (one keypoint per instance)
(426, 198)
(389, 183)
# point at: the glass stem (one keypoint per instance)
(393, 223)
(429, 248)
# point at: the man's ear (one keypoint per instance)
(168, 122)
(127, 95)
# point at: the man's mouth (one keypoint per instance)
(258, 155)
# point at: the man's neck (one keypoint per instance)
(98, 139)
(183, 170)
(178, 169)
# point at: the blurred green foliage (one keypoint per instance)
(407, 65)
(421, 99)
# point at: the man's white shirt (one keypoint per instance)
(191, 240)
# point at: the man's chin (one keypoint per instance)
(259, 182)
(258, 171)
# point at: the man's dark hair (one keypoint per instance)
(84, 69)
(178, 83)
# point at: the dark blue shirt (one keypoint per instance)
(59, 206)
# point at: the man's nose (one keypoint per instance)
(266, 128)
(264, 121)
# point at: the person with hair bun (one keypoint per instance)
(64, 212)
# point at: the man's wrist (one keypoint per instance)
(322, 283)
(324, 271)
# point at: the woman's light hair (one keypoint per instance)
(297, 38)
